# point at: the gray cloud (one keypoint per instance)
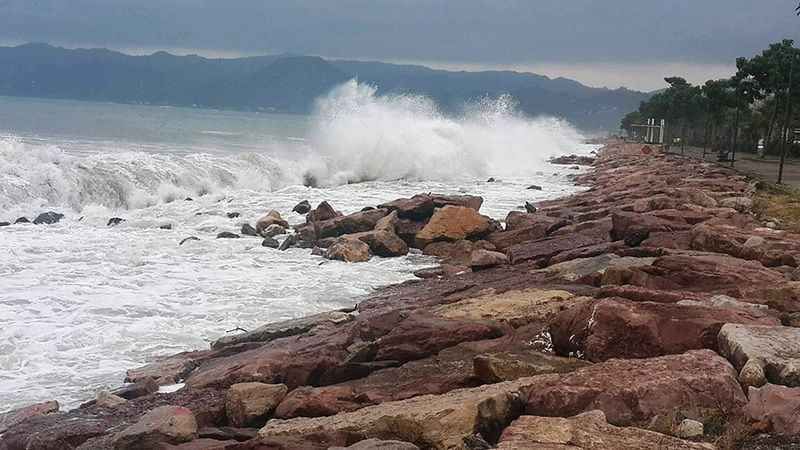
(518, 32)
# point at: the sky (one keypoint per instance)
(612, 43)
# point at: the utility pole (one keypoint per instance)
(788, 118)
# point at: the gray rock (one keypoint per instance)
(302, 208)
(272, 331)
(376, 444)
(48, 218)
(233, 215)
(248, 230)
(22, 220)
(689, 428)
(273, 230)
(5, 224)
(762, 353)
(115, 221)
(270, 243)
(228, 235)
(166, 226)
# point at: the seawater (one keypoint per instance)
(81, 302)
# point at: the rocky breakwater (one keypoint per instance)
(652, 310)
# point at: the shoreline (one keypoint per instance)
(654, 277)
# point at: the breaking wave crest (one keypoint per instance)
(355, 135)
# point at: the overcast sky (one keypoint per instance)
(599, 42)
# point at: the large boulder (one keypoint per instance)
(382, 242)
(349, 224)
(532, 229)
(467, 201)
(453, 223)
(10, 418)
(540, 251)
(419, 207)
(376, 444)
(698, 384)
(162, 425)
(588, 430)
(47, 218)
(302, 208)
(349, 250)
(323, 211)
(762, 353)
(485, 259)
(277, 330)
(270, 218)
(617, 328)
(633, 228)
(251, 404)
(458, 252)
(774, 408)
(429, 421)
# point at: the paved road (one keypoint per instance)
(750, 163)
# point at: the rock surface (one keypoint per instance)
(453, 223)
(585, 431)
(774, 408)
(772, 353)
(162, 425)
(250, 404)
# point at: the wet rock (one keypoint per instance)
(106, 399)
(302, 208)
(270, 243)
(617, 328)
(22, 220)
(290, 241)
(458, 252)
(188, 199)
(348, 250)
(10, 418)
(251, 404)
(190, 238)
(530, 208)
(248, 230)
(418, 207)
(273, 230)
(491, 180)
(142, 386)
(114, 221)
(698, 384)
(272, 331)
(440, 421)
(588, 430)
(689, 428)
(228, 235)
(162, 425)
(166, 226)
(353, 223)
(382, 243)
(573, 159)
(48, 218)
(318, 251)
(453, 223)
(467, 201)
(376, 444)
(323, 211)
(433, 272)
(534, 187)
(5, 224)
(774, 408)
(272, 217)
(485, 259)
(233, 215)
(771, 352)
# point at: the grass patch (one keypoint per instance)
(778, 203)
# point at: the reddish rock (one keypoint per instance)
(774, 408)
(457, 252)
(162, 425)
(324, 211)
(250, 404)
(382, 242)
(633, 228)
(271, 218)
(349, 224)
(544, 249)
(617, 328)
(698, 384)
(418, 207)
(467, 201)
(516, 220)
(453, 223)
(13, 417)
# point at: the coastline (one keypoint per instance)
(638, 276)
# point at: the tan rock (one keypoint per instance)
(509, 366)
(453, 223)
(270, 218)
(348, 250)
(689, 428)
(108, 400)
(375, 444)
(589, 430)
(516, 307)
(429, 421)
(10, 418)
(484, 259)
(162, 425)
(249, 404)
(576, 269)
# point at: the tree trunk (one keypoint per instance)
(772, 120)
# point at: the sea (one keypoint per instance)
(82, 301)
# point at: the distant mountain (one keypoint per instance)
(286, 83)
